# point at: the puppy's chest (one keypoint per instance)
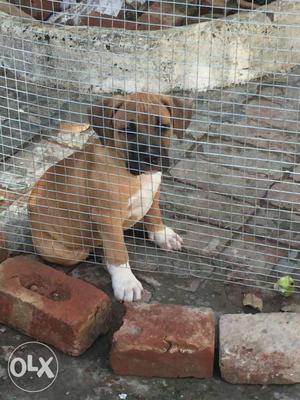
(141, 201)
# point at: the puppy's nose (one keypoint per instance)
(145, 150)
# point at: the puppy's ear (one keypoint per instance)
(101, 116)
(181, 111)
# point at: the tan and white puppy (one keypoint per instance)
(88, 199)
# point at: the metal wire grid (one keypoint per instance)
(219, 191)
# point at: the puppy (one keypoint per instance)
(90, 198)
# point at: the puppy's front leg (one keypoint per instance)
(125, 285)
(161, 235)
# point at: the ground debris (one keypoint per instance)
(252, 301)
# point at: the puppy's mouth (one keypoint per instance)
(137, 168)
(147, 164)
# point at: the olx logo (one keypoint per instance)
(33, 367)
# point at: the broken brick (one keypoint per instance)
(165, 341)
(51, 306)
(260, 349)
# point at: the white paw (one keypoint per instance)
(125, 285)
(167, 239)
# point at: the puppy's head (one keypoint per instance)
(141, 126)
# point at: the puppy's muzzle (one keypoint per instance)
(146, 158)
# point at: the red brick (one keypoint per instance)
(51, 306)
(165, 341)
(3, 248)
(160, 16)
(107, 21)
(10, 9)
(39, 9)
(261, 348)
(6, 197)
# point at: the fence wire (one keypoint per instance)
(96, 95)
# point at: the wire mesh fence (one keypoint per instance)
(98, 99)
